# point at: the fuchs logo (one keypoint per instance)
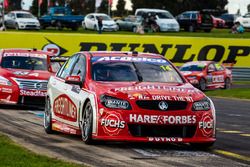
(112, 123)
(206, 125)
(163, 105)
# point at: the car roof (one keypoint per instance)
(98, 14)
(21, 11)
(198, 62)
(150, 10)
(22, 50)
(121, 53)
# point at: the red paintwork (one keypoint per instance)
(13, 93)
(226, 73)
(218, 22)
(131, 92)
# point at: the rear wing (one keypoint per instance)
(59, 58)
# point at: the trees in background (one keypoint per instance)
(120, 8)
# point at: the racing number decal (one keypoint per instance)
(218, 78)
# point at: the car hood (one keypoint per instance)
(149, 91)
(108, 22)
(166, 21)
(25, 74)
(27, 20)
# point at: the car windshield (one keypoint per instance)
(24, 15)
(164, 15)
(133, 69)
(192, 67)
(27, 63)
(104, 17)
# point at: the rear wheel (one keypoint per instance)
(59, 25)
(86, 124)
(47, 117)
(202, 84)
(227, 84)
(191, 28)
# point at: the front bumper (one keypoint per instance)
(29, 26)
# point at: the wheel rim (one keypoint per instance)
(86, 122)
(47, 114)
(202, 84)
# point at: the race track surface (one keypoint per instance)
(25, 126)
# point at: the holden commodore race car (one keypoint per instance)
(24, 74)
(124, 96)
(207, 75)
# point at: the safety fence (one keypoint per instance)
(241, 73)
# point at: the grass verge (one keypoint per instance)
(12, 155)
(241, 93)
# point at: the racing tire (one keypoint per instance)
(191, 28)
(47, 124)
(227, 84)
(202, 146)
(87, 123)
(202, 84)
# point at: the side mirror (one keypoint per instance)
(74, 80)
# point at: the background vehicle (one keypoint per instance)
(61, 17)
(207, 75)
(24, 76)
(129, 23)
(125, 96)
(244, 20)
(163, 18)
(218, 22)
(195, 20)
(91, 22)
(229, 19)
(21, 20)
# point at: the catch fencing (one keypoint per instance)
(241, 73)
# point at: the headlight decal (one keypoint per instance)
(5, 81)
(112, 102)
(202, 105)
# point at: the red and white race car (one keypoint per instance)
(124, 96)
(207, 75)
(24, 74)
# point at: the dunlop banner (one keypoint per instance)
(177, 49)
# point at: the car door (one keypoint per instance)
(220, 74)
(214, 77)
(64, 108)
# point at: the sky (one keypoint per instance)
(232, 6)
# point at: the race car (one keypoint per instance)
(207, 75)
(24, 74)
(124, 96)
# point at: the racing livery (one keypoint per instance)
(207, 75)
(124, 96)
(24, 74)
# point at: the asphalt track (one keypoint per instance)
(231, 149)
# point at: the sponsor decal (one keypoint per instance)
(206, 125)
(33, 93)
(54, 48)
(6, 90)
(129, 59)
(218, 78)
(26, 73)
(165, 139)
(64, 108)
(162, 119)
(25, 55)
(112, 123)
(76, 89)
(156, 87)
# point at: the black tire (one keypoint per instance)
(202, 84)
(95, 28)
(59, 25)
(227, 84)
(84, 26)
(87, 123)
(191, 28)
(16, 26)
(202, 146)
(207, 30)
(47, 123)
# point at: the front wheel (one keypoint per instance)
(86, 124)
(47, 117)
(17, 26)
(227, 84)
(202, 84)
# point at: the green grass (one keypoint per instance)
(241, 93)
(242, 83)
(12, 155)
(217, 33)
